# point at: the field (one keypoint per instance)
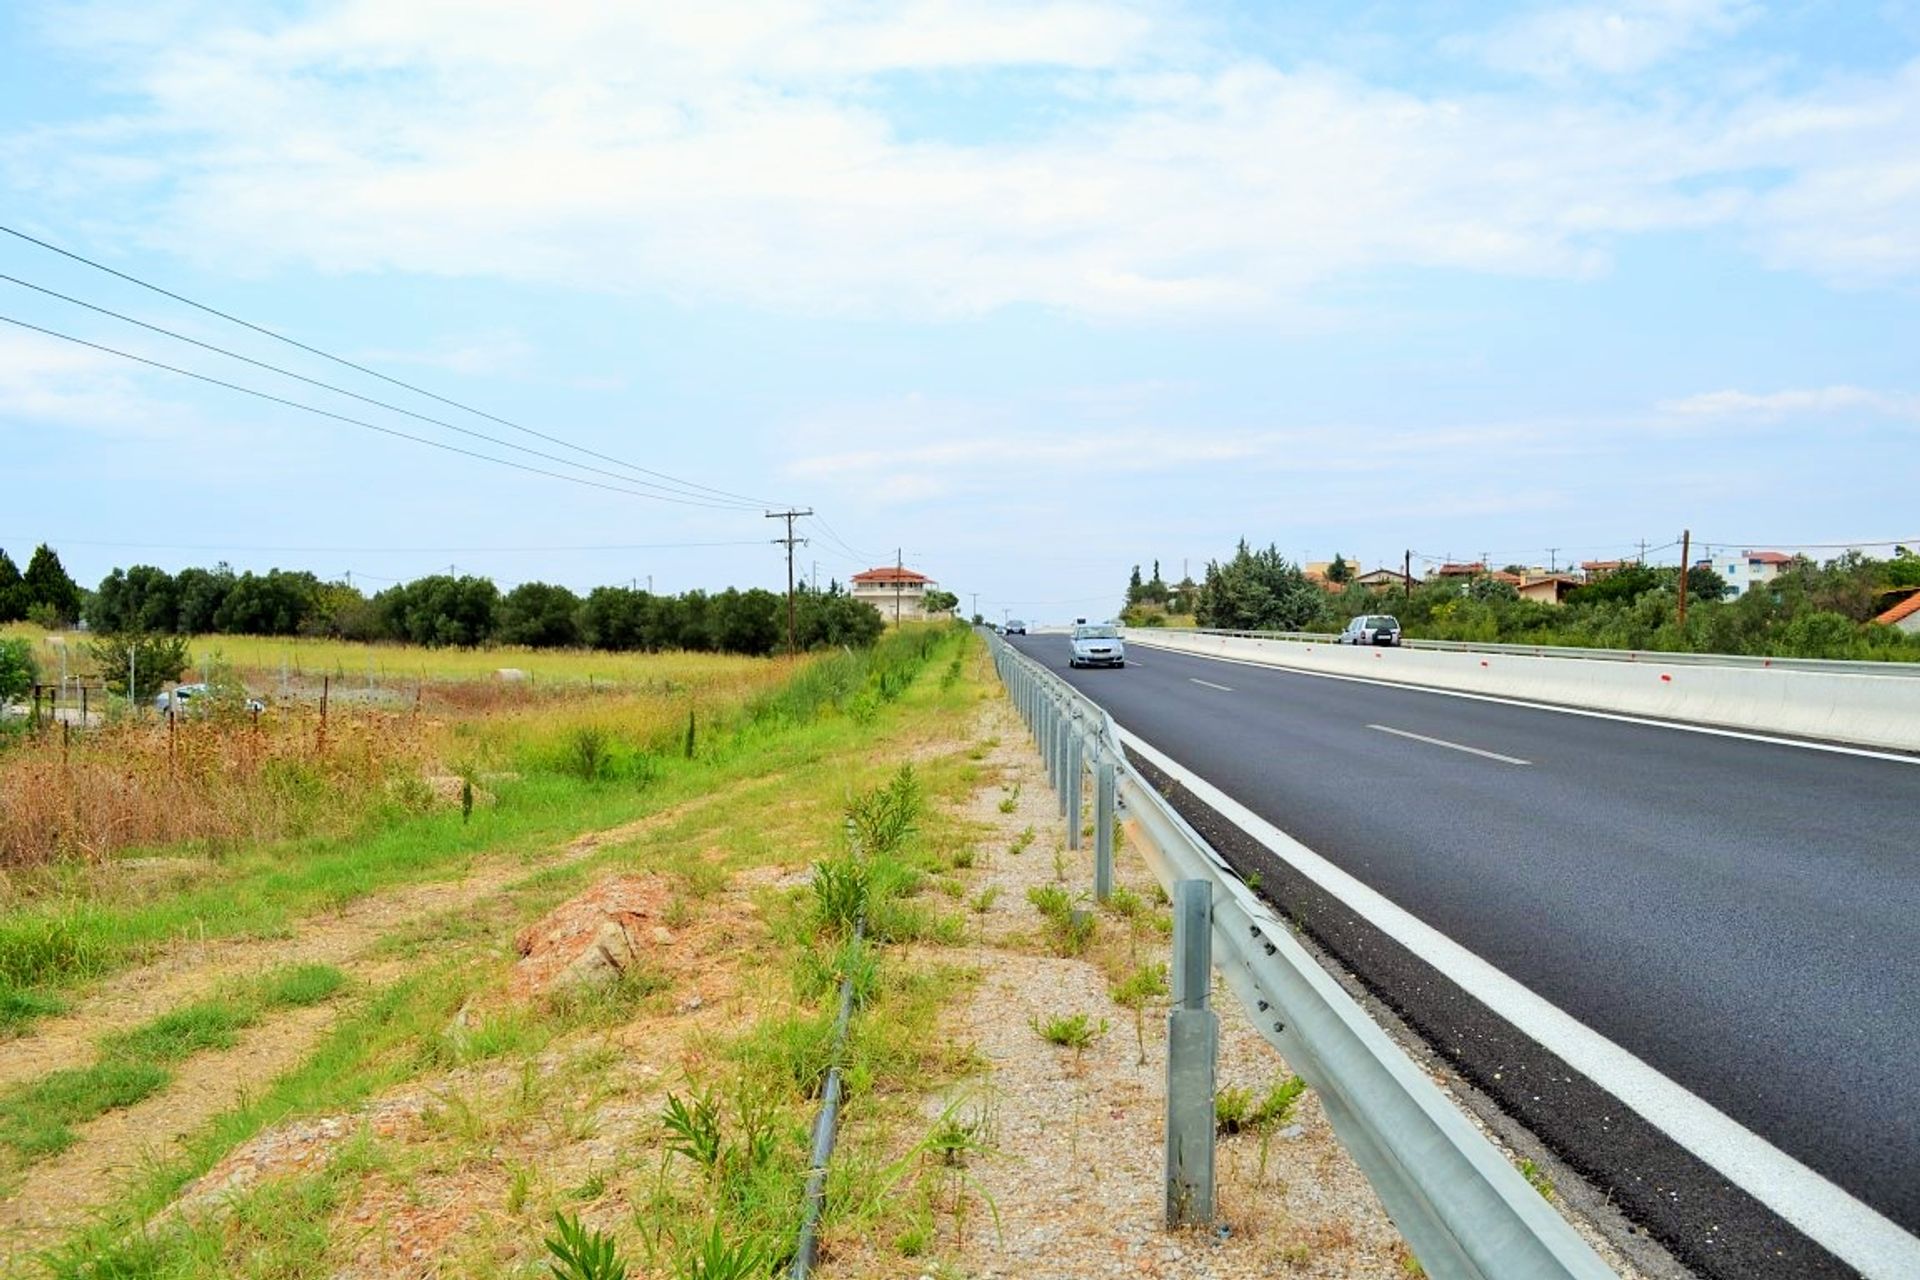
(173, 1004)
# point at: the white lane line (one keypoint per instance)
(1827, 1213)
(1442, 742)
(1210, 684)
(1679, 726)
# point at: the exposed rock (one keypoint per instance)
(595, 938)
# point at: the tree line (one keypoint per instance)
(440, 609)
(1810, 609)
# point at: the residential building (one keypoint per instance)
(1474, 570)
(1384, 579)
(897, 592)
(1748, 569)
(1905, 615)
(1547, 588)
(1594, 570)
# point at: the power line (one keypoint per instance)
(834, 537)
(227, 547)
(328, 386)
(375, 373)
(360, 422)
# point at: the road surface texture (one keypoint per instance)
(1741, 915)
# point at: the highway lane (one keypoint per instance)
(1742, 915)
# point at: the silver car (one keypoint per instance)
(1098, 645)
(1372, 628)
(181, 698)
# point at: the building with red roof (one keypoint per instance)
(896, 591)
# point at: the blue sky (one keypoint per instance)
(1032, 291)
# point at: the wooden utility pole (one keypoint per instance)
(1686, 549)
(1406, 576)
(899, 567)
(789, 542)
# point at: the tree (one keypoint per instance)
(142, 598)
(13, 596)
(1134, 586)
(1155, 592)
(938, 601)
(1339, 571)
(149, 660)
(541, 615)
(18, 672)
(441, 610)
(276, 603)
(49, 588)
(200, 593)
(613, 618)
(752, 622)
(1258, 591)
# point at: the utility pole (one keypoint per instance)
(1406, 576)
(1686, 549)
(899, 567)
(976, 604)
(1553, 560)
(788, 542)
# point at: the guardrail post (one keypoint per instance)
(1193, 1036)
(1103, 790)
(1070, 795)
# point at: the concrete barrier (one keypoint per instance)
(1864, 710)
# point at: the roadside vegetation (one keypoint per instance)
(658, 1121)
(1811, 610)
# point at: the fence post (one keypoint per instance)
(1103, 789)
(1193, 1034)
(1071, 795)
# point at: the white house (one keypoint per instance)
(898, 593)
(1748, 569)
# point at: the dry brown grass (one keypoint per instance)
(85, 795)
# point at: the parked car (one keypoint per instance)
(1015, 627)
(180, 699)
(1097, 645)
(1371, 628)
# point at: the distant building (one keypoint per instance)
(1474, 570)
(1547, 588)
(898, 593)
(1384, 579)
(1905, 616)
(1749, 569)
(1594, 570)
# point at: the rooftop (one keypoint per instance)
(889, 576)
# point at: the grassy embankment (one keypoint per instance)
(768, 781)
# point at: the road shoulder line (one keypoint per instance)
(1852, 1230)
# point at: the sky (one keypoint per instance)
(1023, 292)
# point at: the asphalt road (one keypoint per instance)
(1742, 915)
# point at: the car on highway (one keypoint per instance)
(1097, 645)
(1371, 628)
(182, 699)
(1015, 627)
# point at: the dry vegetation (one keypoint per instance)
(80, 792)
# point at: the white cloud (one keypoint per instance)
(1611, 39)
(755, 153)
(1812, 402)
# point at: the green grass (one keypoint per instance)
(764, 764)
(1070, 1031)
(37, 1117)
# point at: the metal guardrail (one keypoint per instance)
(1829, 666)
(1466, 1213)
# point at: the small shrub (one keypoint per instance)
(579, 1253)
(1070, 1031)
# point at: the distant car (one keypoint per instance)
(180, 699)
(1097, 645)
(1015, 627)
(1372, 628)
